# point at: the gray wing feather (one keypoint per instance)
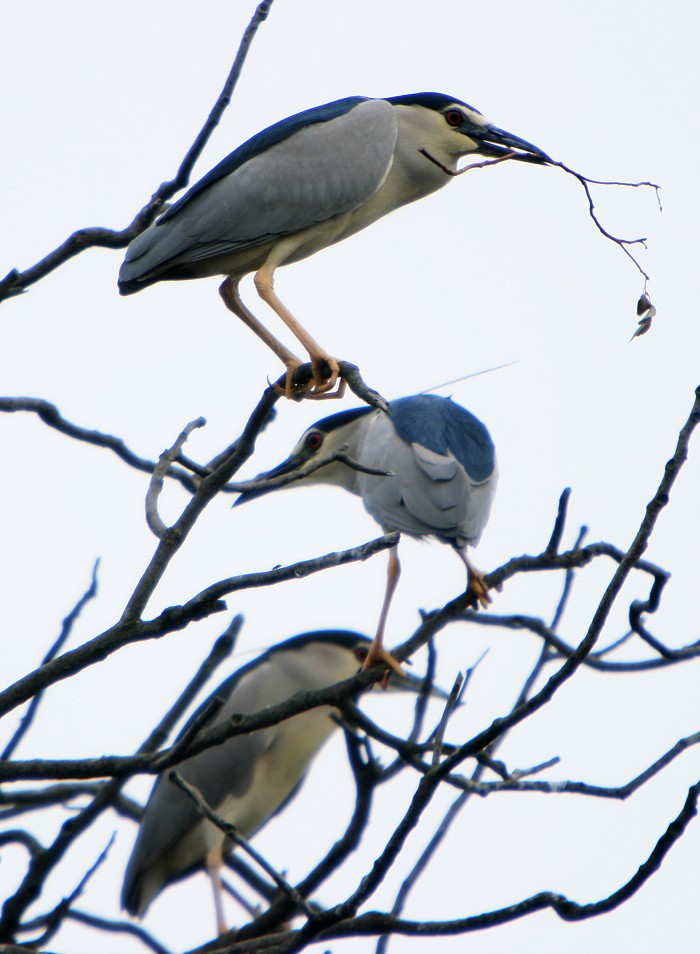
(217, 772)
(324, 170)
(171, 814)
(428, 493)
(436, 466)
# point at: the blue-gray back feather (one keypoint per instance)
(441, 470)
(278, 184)
(445, 427)
(263, 141)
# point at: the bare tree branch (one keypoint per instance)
(117, 927)
(175, 618)
(54, 919)
(49, 414)
(45, 860)
(166, 459)
(66, 629)
(16, 282)
(238, 839)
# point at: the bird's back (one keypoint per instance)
(442, 465)
(247, 778)
(285, 180)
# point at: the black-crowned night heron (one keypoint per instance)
(248, 778)
(441, 476)
(303, 184)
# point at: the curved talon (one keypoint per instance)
(314, 386)
(476, 586)
(336, 395)
(290, 390)
(325, 371)
(326, 374)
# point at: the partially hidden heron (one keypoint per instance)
(438, 476)
(306, 183)
(248, 778)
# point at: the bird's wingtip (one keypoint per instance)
(128, 286)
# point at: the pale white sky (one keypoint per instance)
(101, 102)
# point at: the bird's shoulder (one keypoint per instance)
(263, 141)
(447, 429)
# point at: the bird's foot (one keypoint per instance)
(477, 588)
(314, 381)
(326, 375)
(377, 654)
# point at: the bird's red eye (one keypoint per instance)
(361, 653)
(314, 440)
(453, 117)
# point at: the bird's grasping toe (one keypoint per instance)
(378, 654)
(318, 386)
(476, 586)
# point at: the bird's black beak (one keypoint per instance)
(286, 467)
(497, 142)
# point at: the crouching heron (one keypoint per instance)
(248, 778)
(439, 478)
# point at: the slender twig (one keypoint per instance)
(568, 584)
(585, 181)
(367, 776)
(16, 282)
(448, 711)
(453, 173)
(166, 459)
(54, 918)
(48, 858)
(66, 629)
(623, 243)
(559, 524)
(49, 414)
(117, 927)
(178, 617)
(240, 841)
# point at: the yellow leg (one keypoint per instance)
(321, 361)
(377, 653)
(214, 864)
(232, 299)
